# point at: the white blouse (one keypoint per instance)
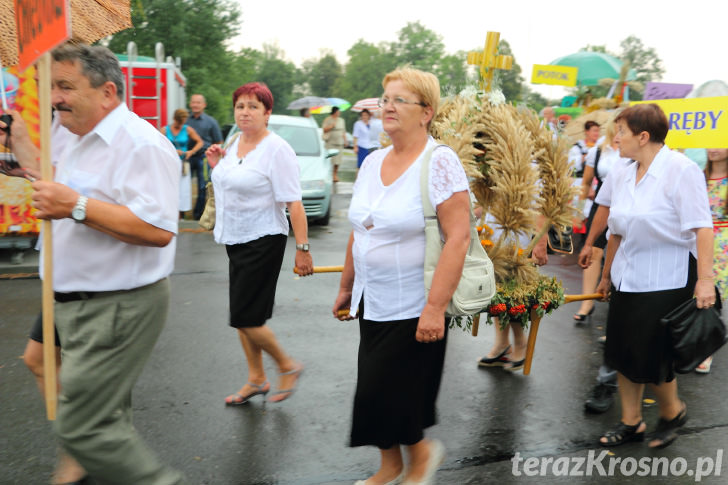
(123, 160)
(656, 218)
(389, 233)
(251, 193)
(607, 159)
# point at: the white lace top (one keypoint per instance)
(389, 233)
(251, 194)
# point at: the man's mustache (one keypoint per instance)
(62, 107)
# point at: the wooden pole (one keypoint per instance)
(324, 269)
(531, 346)
(476, 324)
(49, 340)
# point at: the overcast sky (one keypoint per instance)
(689, 36)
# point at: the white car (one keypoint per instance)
(317, 181)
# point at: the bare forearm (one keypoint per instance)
(598, 225)
(121, 223)
(612, 246)
(704, 242)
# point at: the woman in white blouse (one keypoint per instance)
(660, 254)
(255, 180)
(403, 333)
(599, 162)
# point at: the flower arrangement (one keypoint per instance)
(521, 177)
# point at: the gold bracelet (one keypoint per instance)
(706, 278)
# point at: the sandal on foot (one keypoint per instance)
(498, 361)
(237, 399)
(286, 393)
(666, 431)
(704, 367)
(623, 433)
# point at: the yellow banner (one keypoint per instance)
(558, 75)
(695, 122)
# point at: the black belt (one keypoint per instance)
(74, 296)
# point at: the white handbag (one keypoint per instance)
(477, 282)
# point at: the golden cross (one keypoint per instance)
(488, 60)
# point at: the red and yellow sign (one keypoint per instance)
(41, 26)
(16, 213)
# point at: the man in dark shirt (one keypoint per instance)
(208, 129)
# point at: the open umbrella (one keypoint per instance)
(593, 66)
(342, 104)
(370, 104)
(307, 102)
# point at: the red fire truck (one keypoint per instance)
(154, 88)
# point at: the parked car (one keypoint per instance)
(317, 181)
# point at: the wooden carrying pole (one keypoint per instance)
(49, 339)
(536, 321)
(535, 317)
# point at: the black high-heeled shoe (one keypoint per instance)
(584, 317)
(498, 361)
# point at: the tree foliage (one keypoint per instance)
(198, 31)
(184, 27)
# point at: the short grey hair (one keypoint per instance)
(98, 64)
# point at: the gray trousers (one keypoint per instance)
(105, 343)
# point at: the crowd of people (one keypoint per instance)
(657, 235)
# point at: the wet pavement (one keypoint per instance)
(487, 416)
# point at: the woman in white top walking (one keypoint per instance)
(660, 254)
(255, 180)
(403, 333)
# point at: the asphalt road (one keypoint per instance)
(487, 417)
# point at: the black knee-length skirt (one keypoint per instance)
(397, 384)
(254, 268)
(638, 346)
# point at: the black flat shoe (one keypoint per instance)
(514, 365)
(584, 317)
(622, 434)
(498, 361)
(666, 431)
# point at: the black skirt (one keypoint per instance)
(638, 346)
(397, 384)
(601, 240)
(254, 269)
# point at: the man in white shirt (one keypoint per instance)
(113, 203)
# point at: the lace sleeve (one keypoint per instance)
(447, 175)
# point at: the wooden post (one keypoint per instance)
(531, 346)
(49, 339)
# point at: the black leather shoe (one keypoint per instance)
(498, 361)
(601, 398)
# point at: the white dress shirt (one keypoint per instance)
(656, 218)
(124, 160)
(251, 193)
(389, 233)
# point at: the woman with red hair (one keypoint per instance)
(254, 181)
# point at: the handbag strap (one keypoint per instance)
(430, 215)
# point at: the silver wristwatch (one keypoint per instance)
(302, 247)
(78, 213)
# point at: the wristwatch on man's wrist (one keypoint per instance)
(78, 213)
(302, 247)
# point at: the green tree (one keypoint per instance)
(278, 74)
(184, 26)
(322, 75)
(452, 72)
(644, 60)
(418, 47)
(510, 81)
